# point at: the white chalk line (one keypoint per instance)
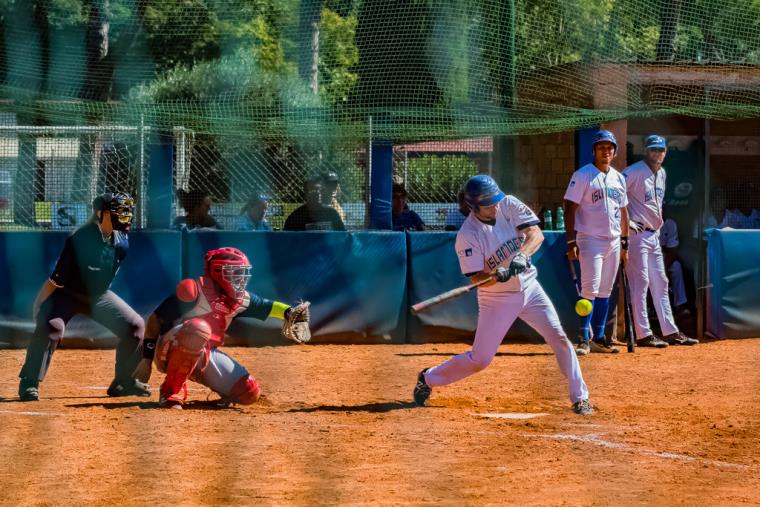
(595, 439)
(512, 415)
(19, 412)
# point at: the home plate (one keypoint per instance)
(513, 415)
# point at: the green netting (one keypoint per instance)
(271, 69)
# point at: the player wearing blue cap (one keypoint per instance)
(645, 182)
(498, 237)
(595, 209)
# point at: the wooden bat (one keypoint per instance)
(448, 295)
(629, 334)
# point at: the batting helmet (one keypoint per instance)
(605, 136)
(482, 190)
(120, 205)
(230, 269)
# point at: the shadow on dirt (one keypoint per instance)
(498, 354)
(149, 405)
(368, 407)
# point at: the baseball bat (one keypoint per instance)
(575, 277)
(448, 295)
(629, 335)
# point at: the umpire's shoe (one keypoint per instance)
(680, 339)
(651, 341)
(603, 348)
(583, 407)
(28, 390)
(130, 387)
(422, 391)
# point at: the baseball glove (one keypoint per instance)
(296, 324)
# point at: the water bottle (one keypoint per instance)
(548, 219)
(560, 219)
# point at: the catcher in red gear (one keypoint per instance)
(184, 333)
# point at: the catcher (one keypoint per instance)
(184, 333)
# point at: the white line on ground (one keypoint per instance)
(18, 412)
(512, 415)
(595, 439)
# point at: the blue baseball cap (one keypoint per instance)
(655, 142)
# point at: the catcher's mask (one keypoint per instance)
(230, 269)
(121, 207)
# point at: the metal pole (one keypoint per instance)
(369, 176)
(141, 176)
(702, 274)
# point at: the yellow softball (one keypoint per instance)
(583, 307)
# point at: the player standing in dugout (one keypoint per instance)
(80, 284)
(497, 239)
(646, 180)
(595, 208)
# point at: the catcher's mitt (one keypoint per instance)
(296, 324)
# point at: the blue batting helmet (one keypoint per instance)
(605, 135)
(482, 190)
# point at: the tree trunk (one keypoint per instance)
(669, 14)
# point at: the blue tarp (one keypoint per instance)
(733, 300)
(355, 280)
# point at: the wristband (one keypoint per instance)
(624, 242)
(570, 241)
(149, 347)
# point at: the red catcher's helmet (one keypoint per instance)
(230, 269)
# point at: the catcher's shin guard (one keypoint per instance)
(245, 391)
(187, 349)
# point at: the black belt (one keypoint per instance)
(647, 229)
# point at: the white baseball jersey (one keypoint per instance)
(645, 192)
(483, 247)
(669, 234)
(599, 197)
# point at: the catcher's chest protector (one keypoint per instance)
(216, 308)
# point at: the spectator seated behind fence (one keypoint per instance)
(330, 192)
(253, 215)
(313, 215)
(196, 204)
(403, 218)
(455, 219)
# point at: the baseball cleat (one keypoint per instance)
(651, 341)
(602, 348)
(583, 348)
(422, 391)
(28, 390)
(679, 338)
(583, 407)
(130, 387)
(170, 402)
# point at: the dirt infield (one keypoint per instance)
(679, 426)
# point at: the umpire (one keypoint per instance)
(80, 285)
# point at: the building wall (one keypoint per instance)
(544, 165)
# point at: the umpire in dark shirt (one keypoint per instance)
(80, 285)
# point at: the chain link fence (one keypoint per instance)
(50, 175)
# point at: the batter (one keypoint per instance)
(499, 236)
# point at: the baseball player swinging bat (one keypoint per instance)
(629, 335)
(449, 295)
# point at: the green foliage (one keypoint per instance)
(435, 178)
(338, 56)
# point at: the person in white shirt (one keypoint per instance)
(646, 181)
(497, 239)
(595, 207)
